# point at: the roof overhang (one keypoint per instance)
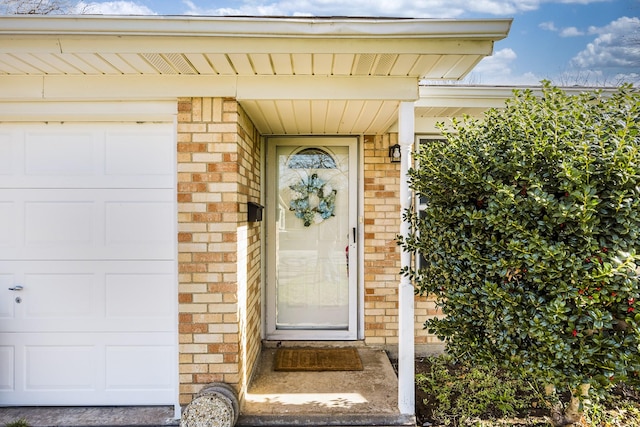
(440, 103)
(292, 75)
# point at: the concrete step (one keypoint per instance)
(318, 420)
(162, 416)
(121, 416)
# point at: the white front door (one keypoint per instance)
(312, 238)
(87, 264)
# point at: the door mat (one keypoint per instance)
(318, 359)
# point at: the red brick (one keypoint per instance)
(207, 217)
(223, 348)
(191, 187)
(192, 147)
(185, 298)
(208, 378)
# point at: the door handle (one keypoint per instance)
(17, 288)
(354, 234)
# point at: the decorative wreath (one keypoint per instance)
(313, 200)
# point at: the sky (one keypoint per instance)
(569, 42)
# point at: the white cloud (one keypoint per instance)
(498, 70)
(571, 32)
(617, 45)
(397, 8)
(113, 8)
(494, 69)
(564, 32)
(548, 26)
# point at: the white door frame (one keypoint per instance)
(352, 332)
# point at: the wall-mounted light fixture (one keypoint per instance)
(394, 153)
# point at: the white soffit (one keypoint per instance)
(317, 66)
(107, 45)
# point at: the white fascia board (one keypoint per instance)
(165, 44)
(301, 27)
(327, 88)
(132, 87)
(136, 87)
(122, 111)
(20, 87)
(463, 96)
(100, 87)
(484, 96)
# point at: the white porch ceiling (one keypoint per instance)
(292, 75)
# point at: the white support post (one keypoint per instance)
(406, 318)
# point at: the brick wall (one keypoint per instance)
(219, 281)
(381, 253)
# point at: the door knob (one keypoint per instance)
(16, 288)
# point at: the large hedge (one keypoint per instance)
(531, 236)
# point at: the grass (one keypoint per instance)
(17, 423)
(455, 394)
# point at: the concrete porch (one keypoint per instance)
(342, 398)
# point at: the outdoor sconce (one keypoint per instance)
(394, 153)
(254, 212)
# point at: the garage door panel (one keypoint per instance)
(7, 303)
(139, 296)
(7, 360)
(61, 153)
(8, 224)
(74, 155)
(60, 367)
(83, 296)
(139, 224)
(87, 224)
(138, 367)
(62, 296)
(135, 153)
(59, 223)
(7, 161)
(88, 369)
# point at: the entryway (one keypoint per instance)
(312, 239)
(356, 398)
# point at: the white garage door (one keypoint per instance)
(87, 264)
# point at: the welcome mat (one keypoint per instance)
(318, 359)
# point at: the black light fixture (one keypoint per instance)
(394, 153)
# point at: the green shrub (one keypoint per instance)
(531, 234)
(460, 394)
(18, 423)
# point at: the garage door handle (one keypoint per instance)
(16, 288)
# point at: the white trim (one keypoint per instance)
(327, 87)
(351, 333)
(74, 44)
(406, 317)
(285, 27)
(163, 87)
(177, 409)
(481, 96)
(141, 111)
(361, 282)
